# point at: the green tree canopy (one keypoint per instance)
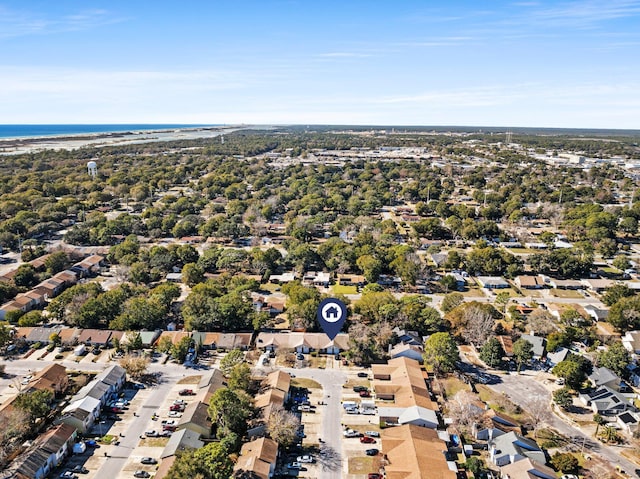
(441, 352)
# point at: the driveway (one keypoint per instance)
(331, 381)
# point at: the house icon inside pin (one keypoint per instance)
(332, 312)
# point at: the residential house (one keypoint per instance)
(303, 342)
(47, 453)
(512, 447)
(605, 377)
(597, 285)
(257, 459)
(557, 356)
(351, 280)
(527, 469)
(278, 380)
(628, 422)
(181, 440)
(566, 284)
(529, 282)
(317, 278)
(95, 337)
(539, 345)
(88, 266)
(598, 314)
(196, 418)
(114, 376)
(52, 378)
(82, 413)
(408, 337)
(492, 282)
(209, 384)
(631, 342)
(416, 415)
(410, 351)
(500, 424)
(413, 452)
(507, 344)
(606, 401)
(51, 287)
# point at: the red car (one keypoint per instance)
(176, 407)
(365, 394)
(367, 440)
(169, 427)
(186, 392)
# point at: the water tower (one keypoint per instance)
(92, 169)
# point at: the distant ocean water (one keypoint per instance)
(28, 131)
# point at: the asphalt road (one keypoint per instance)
(119, 455)
(524, 390)
(331, 381)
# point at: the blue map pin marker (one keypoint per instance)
(331, 315)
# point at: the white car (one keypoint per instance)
(174, 414)
(305, 459)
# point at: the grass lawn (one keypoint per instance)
(271, 287)
(340, 289)
(566, 293)
(305, 383)
(361, 465)
(500, 403)
(453, 385)
(154, 441)
(190, 380)
(522, 250)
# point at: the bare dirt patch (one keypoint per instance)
(190, 380)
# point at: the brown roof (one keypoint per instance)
(404, 379)
(39, 262)
(23, 331)
(50, 378)
(414, 452)
(175, 336)
(257, 457)
(163, 468)
(66, 276)
(196, 413)
(100, 336)
(526, 469)
(279, 380)
(271, 396)
(69, 335)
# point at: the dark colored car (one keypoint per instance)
(149, 460)
(186, 392)
(365, 394)
(374, 475)
(357, 389)
(91, 443)
(371, 452)
(80, 469)
(362, 375)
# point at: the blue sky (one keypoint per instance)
(494, 63)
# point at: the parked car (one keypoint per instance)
(177, 407)
(139, 386)
(352, 410)
(168, 422)
(141, 474)
(91, 443)
(305, 459)
(372, 433)
(174, 414)
(149, 460)
(294, 465)
(68, 475)
(169, 427)
(364, 394)
(300, 357)
(371, 452)
(186, 392)
(80, 469)
(181, 402)
(151, 433)
(374, 475)
(165, 434)
(362, 375)
(351, 433)
(357, 389)
(367, 440)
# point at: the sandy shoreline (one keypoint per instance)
(16, 146)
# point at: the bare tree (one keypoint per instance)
(540, 412)
(478, 323)
(136, 366)
(464, 410)
(14, 426)
(283, 426)
(541, 322)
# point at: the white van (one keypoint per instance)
(349, 404)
